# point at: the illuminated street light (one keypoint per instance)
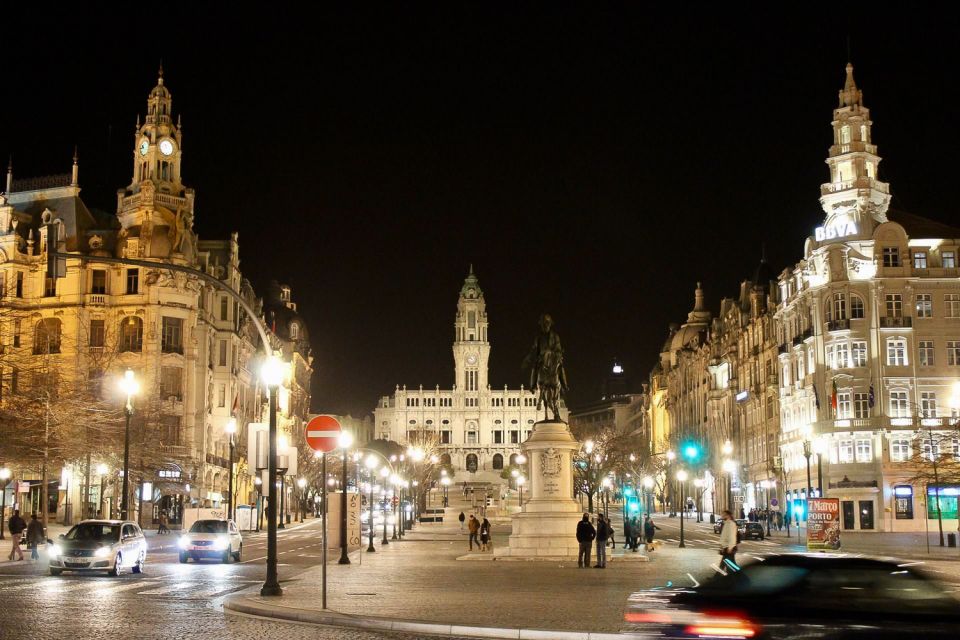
(727, 448)
(230, 429)
(588, 446)
(384, 473)
(521, 459)
(130, 387)
(682, 478)
(271, 372)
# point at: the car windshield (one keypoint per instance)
(95, 532)
(209, 526)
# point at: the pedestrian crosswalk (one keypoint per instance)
(152, 586)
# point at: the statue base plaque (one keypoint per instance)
(546, 527)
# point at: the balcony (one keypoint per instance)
(902, 322)
(95, 299)
(838, 325)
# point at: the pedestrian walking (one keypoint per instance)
(35, 537)
(628, 534)
(473, 525)
(462, 518)
(649, 529)
(728, 542)
(162, 527)
(585, 535)
(636, 532)
(16, 526)
(603, 532)
(484, 534)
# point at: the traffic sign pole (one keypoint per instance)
(323, 436)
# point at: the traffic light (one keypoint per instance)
(633, 505)
(691, 451)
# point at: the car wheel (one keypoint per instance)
(227, 555)
(138, 568)
(183, 558)
(237, 555)
(56, 572)
(117, 566)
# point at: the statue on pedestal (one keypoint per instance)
(547, 374)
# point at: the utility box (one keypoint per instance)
(333, 520)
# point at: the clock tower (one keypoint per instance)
(471, 350)
(156, 210)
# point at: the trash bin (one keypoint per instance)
(951, 540)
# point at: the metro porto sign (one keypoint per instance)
(836, 229)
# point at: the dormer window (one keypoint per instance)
(294, 331)
(891, 256)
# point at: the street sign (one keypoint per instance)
(323, 433)
(773, 502)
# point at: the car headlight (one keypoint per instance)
(183, 542)
(102, 552)
(55, 550)
(220, 544)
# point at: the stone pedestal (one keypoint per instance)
(546, 527)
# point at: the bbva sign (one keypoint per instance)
(836, 229)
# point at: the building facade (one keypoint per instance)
(478, 428)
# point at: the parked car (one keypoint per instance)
(99, 545)
(751, 531)
(218, 539)
(794, 596)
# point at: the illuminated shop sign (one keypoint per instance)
(836, 229)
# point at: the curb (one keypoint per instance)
(244, 605)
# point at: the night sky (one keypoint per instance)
(591, 162)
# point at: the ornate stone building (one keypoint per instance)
(478, 428)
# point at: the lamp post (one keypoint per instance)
(102, 471)
(302, 484)
(605, 483)
(807, 452)
(729, 467)
(682, 478)
(258, 484)
(272, 374)
(671, 456)
(130, 386)
(4, 480)
(231, 429)
(520, 482)
(648, 483)
(371, 463)
(345, 440)
(384, 474)
(699, 484)
(819, 447)
(766, 485)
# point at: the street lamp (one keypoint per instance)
(648, 486)
(371, 463)
(102, 471)
(819, 448)
(384, 474)
(258, 484)
(729, 467)
(130, 386)
(231, 429)
(699, 483)
(682, 479)
(344, 441)
(272, 374)
(520, 482)
(671, 456)
(4, 480)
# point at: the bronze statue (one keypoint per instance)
(547, 374)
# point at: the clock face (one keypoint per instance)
(472, 359)
(166, 147)
(144, 145)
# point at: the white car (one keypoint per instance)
(99, 545)
(211, 539)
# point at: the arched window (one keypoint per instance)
(294, 330)
(513, 459)
(445, 458)
(131, 334)
(47, 336)
(497, 461)
(472, 462)
(856, 307)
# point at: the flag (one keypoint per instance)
(816, 397)
(870, 398)
(833, 396)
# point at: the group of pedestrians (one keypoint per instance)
(35, 536)
(589, 535)
(479, 532)
(774, 519)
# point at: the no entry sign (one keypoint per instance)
(323, 433)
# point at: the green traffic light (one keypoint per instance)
(691, 452)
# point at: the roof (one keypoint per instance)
(920, 227)
(77, 219)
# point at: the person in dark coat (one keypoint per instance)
(628, 533)
(648, 530)
(16, 525)
(462, 518)
(35, 537)
(585, 535)
(603, 532)
(484, 534)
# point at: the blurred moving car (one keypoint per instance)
(718, 525)
(794, 596)
(218, 539)
(99, 545)
(751, 531)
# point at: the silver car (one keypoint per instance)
(99, 545)
(219, 539)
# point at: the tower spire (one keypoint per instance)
(160, 73)
(850, 95)
(10, 174)
(75, 175)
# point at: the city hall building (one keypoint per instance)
(478, 428)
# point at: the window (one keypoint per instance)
(133, 281)
(131, 334)
(294, 331)
(47, 336)
(172, 337)
(931, 450)
(919, 259)
(16, 332)
(99, 284)
(953, 353)
(898, 405)
(864, 450)
(49, 287)
(471, 402)
(445, 439)
(471, 380)
(891, 257)
(472, 319)
(952, 304)
(845, 451)
(224, 307)
(897, 352)
(222, 396)
(856, 307)
(497, 461)
(223, 353)
(514, 437)
(170, 430)
(843, 355)
(949, 259)
(19, 291)
(925, 353)
(471, 437)
(861, 405)
(924, 305)
(839, 306)
(859, 353)
(497, 438)
(171, 382)
(843, 404)
(928, 404)
(894, 305)
(97, 333)
(899, 450)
